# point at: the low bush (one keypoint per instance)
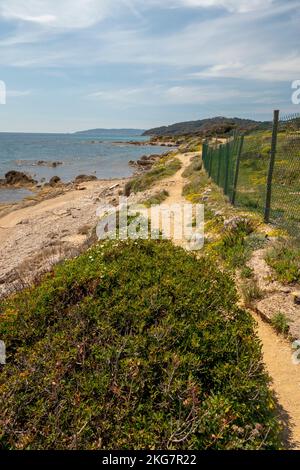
(281, 323)
(165, 167)
(193, 168)
(133, 345)
(156, 199)
(251, 292)
(285, 260)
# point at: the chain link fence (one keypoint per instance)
(260, 171)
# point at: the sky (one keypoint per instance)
(78, 64)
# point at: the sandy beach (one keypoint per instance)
(35, 237)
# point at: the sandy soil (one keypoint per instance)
(34, 238)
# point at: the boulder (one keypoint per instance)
(54, 181)
(18, 178)
(85, 178)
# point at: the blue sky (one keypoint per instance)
(76, 64)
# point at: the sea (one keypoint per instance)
(102, 153)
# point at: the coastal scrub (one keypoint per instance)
(133, 345)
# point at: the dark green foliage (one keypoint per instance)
(133, 345)
(281, 323)
(208, 127)
(235, 246)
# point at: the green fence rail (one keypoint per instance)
(261, 171)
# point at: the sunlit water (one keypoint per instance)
(88, 154)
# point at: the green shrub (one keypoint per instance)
(247, 272)
(133, 345)
(156, 199)
(165, 167)
(281, 323)
(251, 292)
(234, 247)
(285, 260)
(194, 167)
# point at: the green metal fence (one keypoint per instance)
(261, 171)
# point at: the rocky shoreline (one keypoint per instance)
(18, 179)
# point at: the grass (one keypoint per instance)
(247, 272)
(234, 245)
(156, 199)
(281, 323)
(251, 292)
(253, 172)
(194, 167)
(284, 258)
(167, 166)
(133, 345)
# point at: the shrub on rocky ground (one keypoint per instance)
(133, 345)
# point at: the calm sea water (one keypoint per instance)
(88, 154)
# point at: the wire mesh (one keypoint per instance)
(220, 162)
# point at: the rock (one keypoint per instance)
(85, 178)
(144, 163)
(285, 290)
(23, 222)
(296, 296)
(17, 178)
(54, 181)
(49, 164)
(114, 186)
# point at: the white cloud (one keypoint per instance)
(281, 69)
(63, 14)
(176, 95)
(72, 14)
(241, 6)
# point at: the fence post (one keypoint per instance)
(237, 170)
(204, 153)
(210, 161)
(271, 166)
(227, 168)
(219, 165)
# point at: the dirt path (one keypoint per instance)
(277, 354)
(277, 351)
(175, 183)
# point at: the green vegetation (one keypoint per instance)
(167, 166)
(133, 345)
(220, 163)
(234, 246)
(281, 323)
(155, 199)
(284, 258)
(192, 190)
(193, 168)
(251, 292)
(208, 127)
(247, 272)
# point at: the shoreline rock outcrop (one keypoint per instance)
(16, 179)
